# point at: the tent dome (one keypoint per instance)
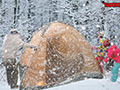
(62, 53)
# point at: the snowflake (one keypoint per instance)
(83, 28)
(41, 72)
(97, 26)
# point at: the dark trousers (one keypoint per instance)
(11, 72)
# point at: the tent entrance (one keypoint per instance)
(59, 67)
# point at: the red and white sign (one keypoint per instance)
(112, 4)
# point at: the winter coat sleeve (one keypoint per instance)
(24, 44)
(27, 45)
(109, 56)
(100, 45)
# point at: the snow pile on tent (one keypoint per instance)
(62, 53)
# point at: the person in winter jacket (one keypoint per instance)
(11, 43)
(100, 50)
(113, 53)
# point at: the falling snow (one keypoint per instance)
(89, 17)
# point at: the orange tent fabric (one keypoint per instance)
(62, 53)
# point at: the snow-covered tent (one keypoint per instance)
(62, 53)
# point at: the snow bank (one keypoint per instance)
(89, 84)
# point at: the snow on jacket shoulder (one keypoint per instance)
(114, 53)
(10, 45)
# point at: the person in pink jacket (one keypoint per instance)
(113, 53)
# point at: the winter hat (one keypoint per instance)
(106, 43)
(13, 30)
(101, 33)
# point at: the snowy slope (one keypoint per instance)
(88, 84)
(5, 87)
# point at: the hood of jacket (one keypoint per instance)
(112, 47)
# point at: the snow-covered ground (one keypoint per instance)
(88, 84)
(5, 87)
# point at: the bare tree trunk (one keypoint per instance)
(0, 2)
(15, 13)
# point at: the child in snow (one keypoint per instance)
(113, 53)
(100, 50)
